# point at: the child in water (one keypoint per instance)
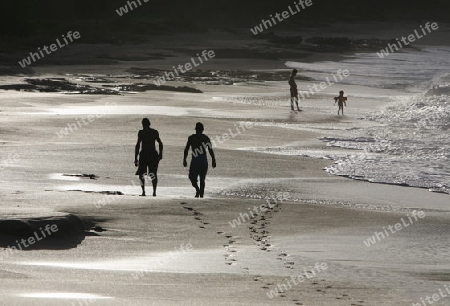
(341, 100)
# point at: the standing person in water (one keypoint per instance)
(293, 90)
(341, 100)
(148, 157)
(198, 143)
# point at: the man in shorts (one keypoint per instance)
(148, 157)
(198, 143)
(293, 90)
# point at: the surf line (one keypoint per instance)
(169, 75)
(53, 47)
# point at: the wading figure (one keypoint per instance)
(148, 157)
(198, 143)
(293, 90)
(341, 100)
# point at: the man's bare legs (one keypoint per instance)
(142, 180)
(154, 183)
(202, 188)
(296, 103)
(197, 190)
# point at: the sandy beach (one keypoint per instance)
(275, 227)
(177, 250)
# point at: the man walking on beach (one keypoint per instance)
(198, 142)
(148, 157)
(293, 90)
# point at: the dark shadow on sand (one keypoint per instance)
(71, 231)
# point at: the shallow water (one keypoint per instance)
(409, 141)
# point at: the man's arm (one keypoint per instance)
(160, 146)
(186, 151)
(136, 149)
(211, 152)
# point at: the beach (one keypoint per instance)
(69, 159)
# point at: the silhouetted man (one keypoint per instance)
(199, 142)
(293, 89)
(148, 157)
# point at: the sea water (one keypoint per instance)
(408, 143)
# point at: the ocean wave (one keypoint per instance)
(410, 146)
